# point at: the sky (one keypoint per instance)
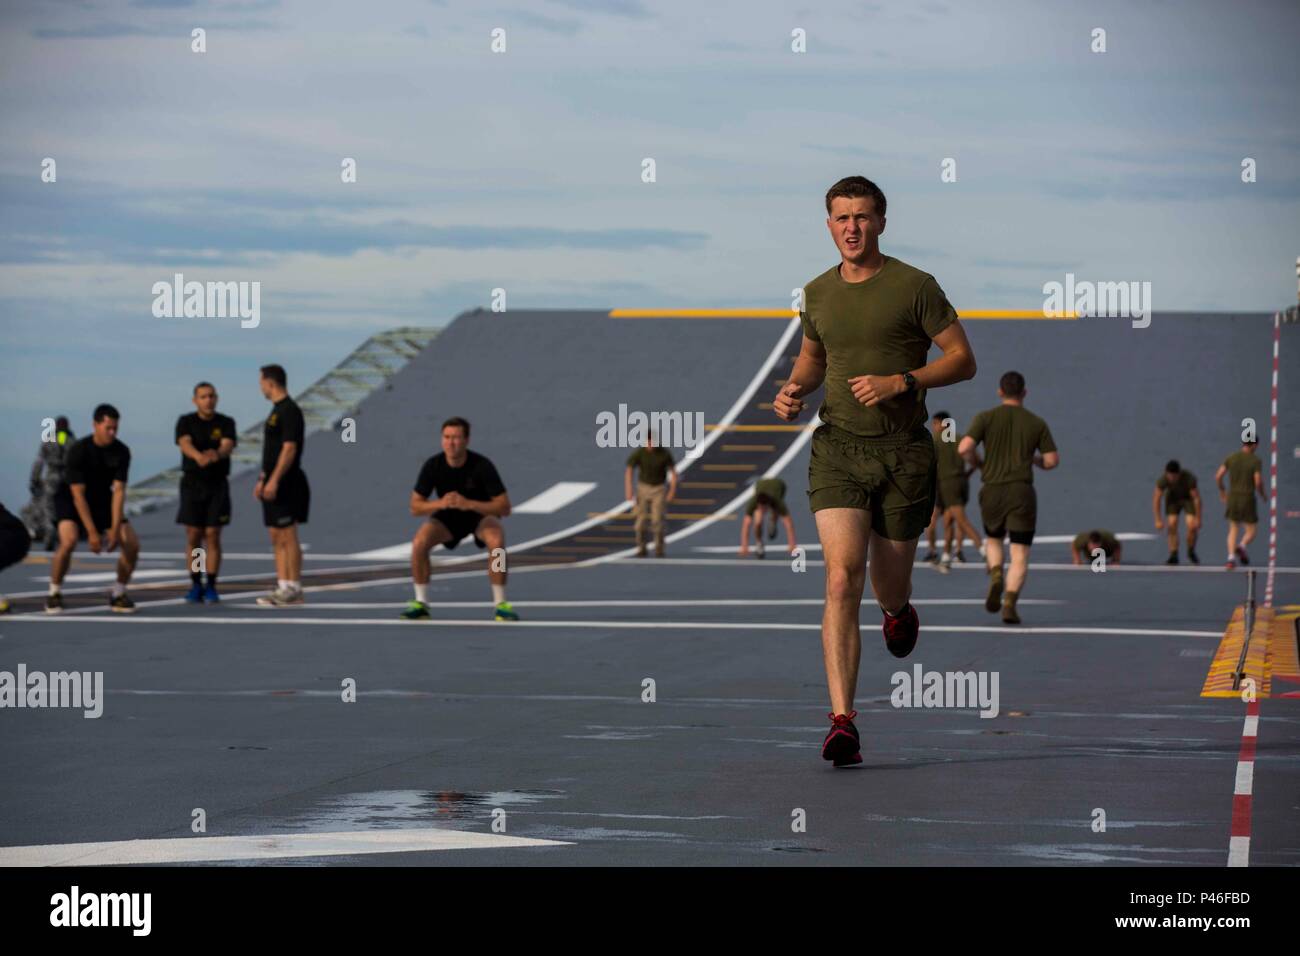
(522, 170)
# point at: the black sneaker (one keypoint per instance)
(122, 604)
(901, 630)
(1242, 557)
(1173, 558)
(930, 558)
(960, 557)
(1191, 556)
(842, 745)
(54, 603)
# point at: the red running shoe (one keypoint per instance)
(901, 631)
(842, 743)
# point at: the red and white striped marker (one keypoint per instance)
(1272, 470)
(1239, 841)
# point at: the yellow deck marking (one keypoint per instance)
(749, 448)
(790, 314)
(758, 428)
(708, 484)
(1272, 651)
(729, 467)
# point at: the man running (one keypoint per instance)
(953, 493)
(1178, 486)
(206, 439)
(90, 504)
(768, 499)
(282, 486)
(471, 500)
(655, 468)
(15, 542)
(1086, 542)
(1245, 479)
(1015, 441)
(868, 323)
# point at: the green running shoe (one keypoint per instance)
(505, 612)
(416, 611)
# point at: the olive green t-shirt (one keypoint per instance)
(949, 463)
(1108, 542)
(652, 464)
(1242, 466)
(773, 488)
(882, 326)
(1178, 491)
(1011, 434)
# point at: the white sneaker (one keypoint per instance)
(282, 597)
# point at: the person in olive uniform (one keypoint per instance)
(1086, 542)
(656, 485)
(1015, 441)
(768, 499)
(47, 475)
(1178, 487)
(206, 439)
(953, 492)
(868, 324)
(1245, 480)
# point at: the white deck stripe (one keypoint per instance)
(1252, 727)
(276, 616)
(1245, 778)
(1238, 851)
(211, 849)
(559, 495)
(435, 605)
(1038, 539)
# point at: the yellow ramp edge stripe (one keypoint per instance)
(790, 314)
(1218, 682)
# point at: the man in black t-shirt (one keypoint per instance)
(206, 440)
(470, 500)
(89, 504)
(282, 486)
(14, 545)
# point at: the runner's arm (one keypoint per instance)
(498, 507)
(1218, 481)
(957, 364)
(807, 376)
(672, 482)
(627, 483)
(1155, 505)
(966, 448)
(744, 533)
(1119, 552)
(227, 448)
(1047, 460)
(422, 507)
(1259, 485)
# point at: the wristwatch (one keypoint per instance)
(909, 381)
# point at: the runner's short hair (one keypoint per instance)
(856, 187)
(61, 423)
(1173, 467)
(940, 416)
(276, 374)
(1094, 537)
(1012, 384)
(456, 422)
(105, 411)
(204, 385)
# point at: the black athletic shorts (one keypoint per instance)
(292, 502)
(65, 510)
(459, 523)
(15, 541)
(204, 505)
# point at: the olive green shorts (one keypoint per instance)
(953, 491)
(1010, 506)
(892, 478)
(776, 504)
(1176, 507)
(1242, 508)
